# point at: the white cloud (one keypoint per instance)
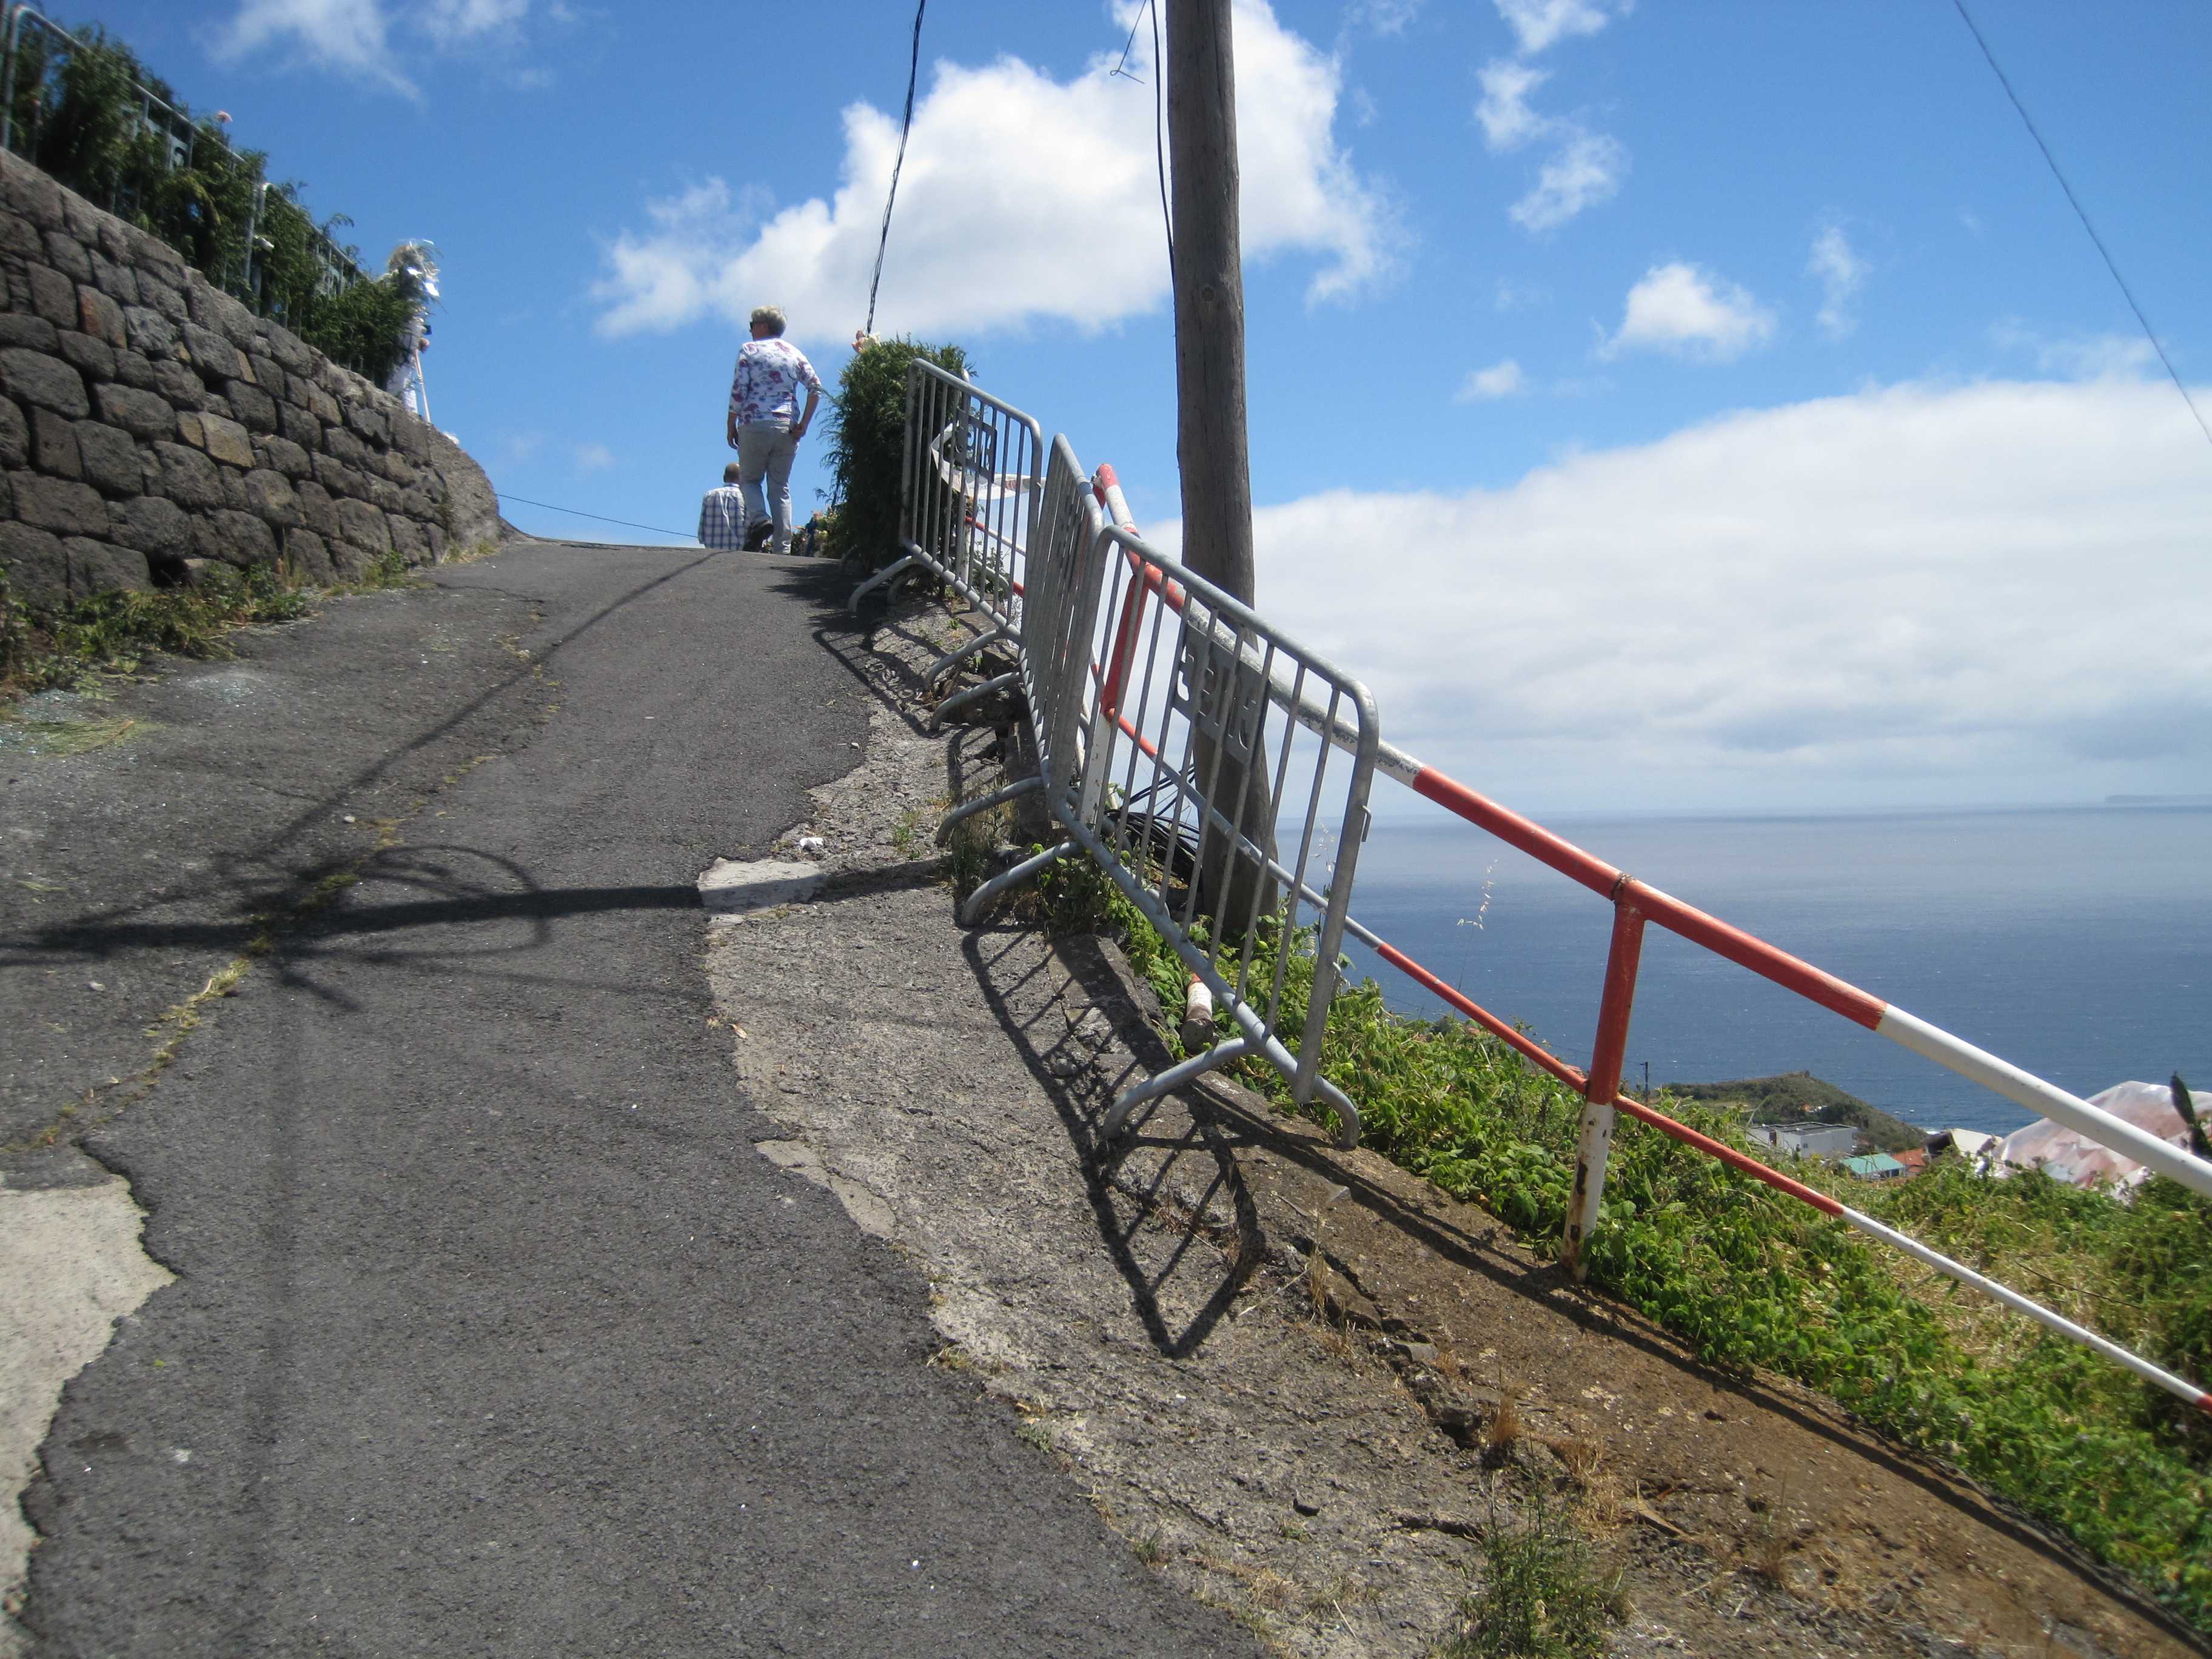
(355, 36)
(1541, 23)
(1507, 121)
(1917, 594)
(1841, 275)
(1586, 171)
(2078, 356)
(1387, 16)
(593, 458)
(1500, 379)
(1682, 309)
(1022, 198)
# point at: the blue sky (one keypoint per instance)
(1701, 404)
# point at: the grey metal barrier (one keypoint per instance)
(1215, 769)
(972, 473)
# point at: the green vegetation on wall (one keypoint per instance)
(868, 438)
(80, 111)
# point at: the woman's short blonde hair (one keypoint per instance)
(769, 317)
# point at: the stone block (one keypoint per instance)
(407, 540)
(116, 280)
(269, 498)
(37, 568)
(264, 371)
(19, 238)
(410, 439)
(214, 357)
(141, 414)
(33, 377)
(157, 295)
(94, 567)
(53, 445)
(179, 385)
(21, 328)
(79, 218)
(134, 370)
(53, 297)
(291, 353)
(217, 312)
(93, 358)
(236, 538)
(66, 254)
(187, 477)
(61, 505)
(435, 535)
(344, 447)
(15, 437)
(98, 315)
(285, 456)
(369, 422)
(111, 458)
(317, 508)
(364, 526)
(34, 196)
(398, 469)
(156, 527)
(309, 557)
(316, 402)
(385, 497)
(341, 481)
(299, 427)
(255, 408)
(226, 440)
(149, 331)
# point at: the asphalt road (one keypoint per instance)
(491, 1333)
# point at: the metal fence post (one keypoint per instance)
(1596, 1142)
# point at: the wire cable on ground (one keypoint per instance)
(657, 530)
(2082, 213)
(906, 126)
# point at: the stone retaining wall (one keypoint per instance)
(148, 421)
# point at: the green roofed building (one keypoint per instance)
(1875, 1166)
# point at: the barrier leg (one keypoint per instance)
(968, 809)
(1014, 878)
(1596, 1142)
(1169, 1081)
(896, 568)
(937, 669)
(974, 693)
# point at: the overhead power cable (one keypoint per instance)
(1159, 115)
(576, 512)
(2082, 213)
(906, 126)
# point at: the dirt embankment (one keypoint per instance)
(1302, 1382)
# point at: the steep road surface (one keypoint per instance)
(491, 1333)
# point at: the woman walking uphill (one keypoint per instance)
(764, 396)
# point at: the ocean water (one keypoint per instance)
(2075, 942)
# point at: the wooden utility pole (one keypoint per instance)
(1211, 446)
(1209, 297)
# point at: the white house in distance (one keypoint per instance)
(1809, 1140)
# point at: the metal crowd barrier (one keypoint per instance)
(1186, 747)
(1177, 748)
(967, 491)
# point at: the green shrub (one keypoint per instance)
(868, 440)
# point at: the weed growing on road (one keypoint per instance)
(1540, 1597)
(113, 632)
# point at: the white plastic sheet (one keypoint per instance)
(2065, 1155)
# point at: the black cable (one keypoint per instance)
(601, 517)
(2081, 214)
(1159, 121)
(906, 126)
